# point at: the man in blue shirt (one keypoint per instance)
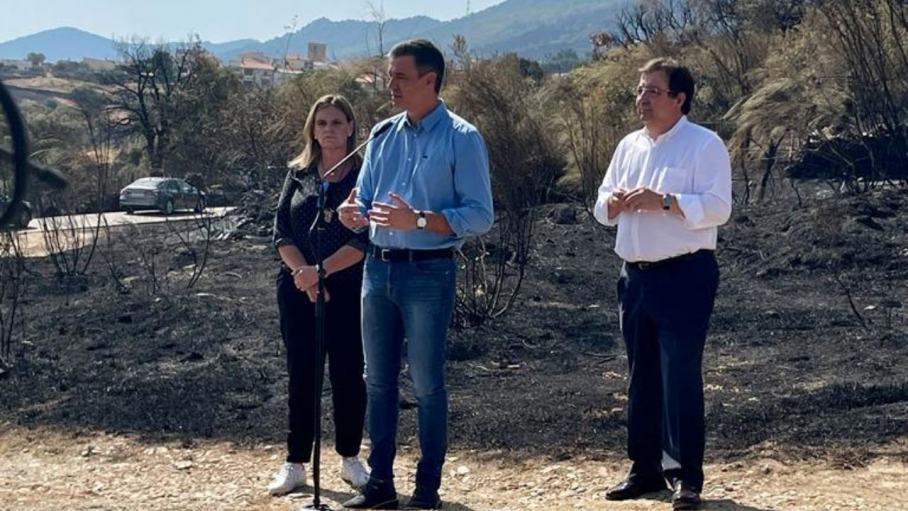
(423, 188)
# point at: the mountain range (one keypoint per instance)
(531, 28)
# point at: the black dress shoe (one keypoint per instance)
(374, 495)
(424, 498)
(633, 487)
(685, 497)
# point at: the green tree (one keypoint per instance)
(35, 58)
(146, 90)
(200, 142)
(562, 61)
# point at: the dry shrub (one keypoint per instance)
(13, 286)
(595, 111)
(525, 159)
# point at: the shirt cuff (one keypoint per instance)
(453, 222)
(281, 242)
(692, 208)
(600, 212)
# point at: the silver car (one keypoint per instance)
(166, 194)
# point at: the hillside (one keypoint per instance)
(344, 38)
(532, 28)
(65, 43)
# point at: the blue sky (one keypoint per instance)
(213, 20)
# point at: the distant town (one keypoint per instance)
(255, 68)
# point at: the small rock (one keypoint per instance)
(565, 215)
(766, 469)
(463, 470)
(182, 465)
(193, 357)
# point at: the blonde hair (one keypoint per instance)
(313, 151)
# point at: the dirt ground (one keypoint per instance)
(175, 399)
(49, 471)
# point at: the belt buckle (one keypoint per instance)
(385, 255)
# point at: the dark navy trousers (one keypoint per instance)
(664, 312)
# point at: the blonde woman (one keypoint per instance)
(330, 134)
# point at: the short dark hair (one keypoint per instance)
(428, 58)
(679, 78)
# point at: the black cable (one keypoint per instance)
(18, 154)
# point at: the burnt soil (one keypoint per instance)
(791, 369)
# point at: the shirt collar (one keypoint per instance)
(682, 122)
(430, 120)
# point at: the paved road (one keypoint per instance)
(32, 238)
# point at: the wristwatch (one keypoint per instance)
(666, 202)
(421, 220)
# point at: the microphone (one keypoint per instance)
(323, 188)
(372, 137)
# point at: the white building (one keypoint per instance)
(258, 70)
(21, 65)
(98, 64)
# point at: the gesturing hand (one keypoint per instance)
(642, 199)
(616, 201)
(398, 215)
(349, 214)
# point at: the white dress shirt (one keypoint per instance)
(691, 163)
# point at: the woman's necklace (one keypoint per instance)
(336, 176)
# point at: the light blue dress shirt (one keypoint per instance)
(439, 164)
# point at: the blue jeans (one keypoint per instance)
(412, 300)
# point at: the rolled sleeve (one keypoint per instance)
(474, 214)
(711, 207)
(365, 189)
(282, 233)
(609, 184)
(360, 240)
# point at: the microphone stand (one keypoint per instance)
(318, 226)
(319, 374)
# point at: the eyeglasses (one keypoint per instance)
(652, 91)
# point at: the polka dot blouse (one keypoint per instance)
(296, 212)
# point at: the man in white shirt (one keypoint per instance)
(668, 188)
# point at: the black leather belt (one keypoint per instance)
(402, 254)
(652, 265)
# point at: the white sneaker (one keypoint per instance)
(353, 472)
(290, 476)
